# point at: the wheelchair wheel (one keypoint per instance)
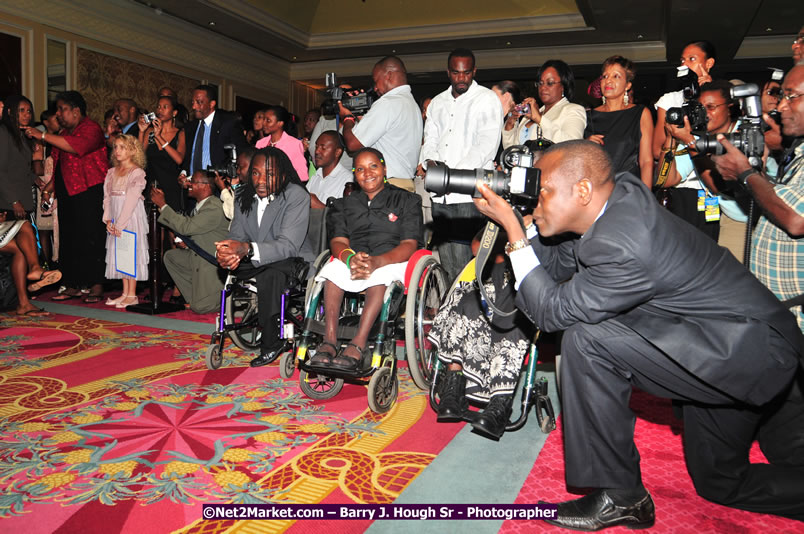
(241, 306)
(320, 260)
(319, 387)
(382, 390)
(213, 356)
(426, 292)
(287, 364)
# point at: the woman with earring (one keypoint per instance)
(164, 150)
(623, 129)
(557, 119)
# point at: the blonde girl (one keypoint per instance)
(124, 210)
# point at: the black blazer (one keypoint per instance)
(226, 129)
(658, 275)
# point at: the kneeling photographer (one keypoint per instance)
(631, 284)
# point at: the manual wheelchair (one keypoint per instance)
(534, 389)
(421, 294)
(239, 319)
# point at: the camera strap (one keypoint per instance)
(487, 240)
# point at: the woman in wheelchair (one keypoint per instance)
(373, 232)
(483, 356)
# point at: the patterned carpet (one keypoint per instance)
(112, 427)
(678, 508)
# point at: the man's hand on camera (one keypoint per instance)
(732, 163)
(157, 196)
(343, 111)
(220, 182)
(498, 210)
(773, 137)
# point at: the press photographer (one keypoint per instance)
(393, 125)
(631, 294)
(777, 245)
(681, 197)
(692, 198)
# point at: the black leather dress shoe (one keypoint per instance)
(452, 406)
(266, 357)
(491, 421)
(597, 511)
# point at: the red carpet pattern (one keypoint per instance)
(105, 424)
(678, 507)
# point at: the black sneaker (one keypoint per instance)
(491, 421)
(453, 404)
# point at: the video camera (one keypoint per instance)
(358, 104)
(229, 167)
(519, 183)
(691, 108)
(750, 138)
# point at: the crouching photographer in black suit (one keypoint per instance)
(648, 301)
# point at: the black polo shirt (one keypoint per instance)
(393, 216)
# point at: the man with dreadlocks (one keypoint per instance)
(269, 225)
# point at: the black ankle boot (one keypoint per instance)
(453, 404)
(491, 421)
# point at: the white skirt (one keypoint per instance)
(8, 231)
(339, 274)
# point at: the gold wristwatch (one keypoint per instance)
(516, 245)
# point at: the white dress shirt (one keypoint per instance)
(262, 204)
(463, 132)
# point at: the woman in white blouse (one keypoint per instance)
(557, 119)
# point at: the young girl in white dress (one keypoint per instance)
(124, 209)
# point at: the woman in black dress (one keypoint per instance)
(623, 129)
(164, 149)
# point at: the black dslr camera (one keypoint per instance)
(358, 104)
(750, 138)
(519, 183)
(691, 108)
(229, 167)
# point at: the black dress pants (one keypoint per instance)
(271, 281)
(599, 366)
(82, 235)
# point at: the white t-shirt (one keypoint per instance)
(393, 126)
(463, 132)
(331, 186)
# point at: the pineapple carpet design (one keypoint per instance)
(109, 427)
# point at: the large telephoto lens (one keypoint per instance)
(708, 144)
(441, 180)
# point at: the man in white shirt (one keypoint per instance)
(393, 125)
(463, 129)
(328, 182)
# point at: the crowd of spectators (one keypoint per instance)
(71, 187)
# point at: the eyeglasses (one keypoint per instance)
(774, 93)
(549, 83)
(790, 97)
(713, 107)
(799, 40)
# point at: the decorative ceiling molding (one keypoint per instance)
(765, 46)
(255, 16)
(443, 32)
(313, 72)
(133, 27)
(261, 19)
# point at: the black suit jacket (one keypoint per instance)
(226, 129)
(658, 275)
